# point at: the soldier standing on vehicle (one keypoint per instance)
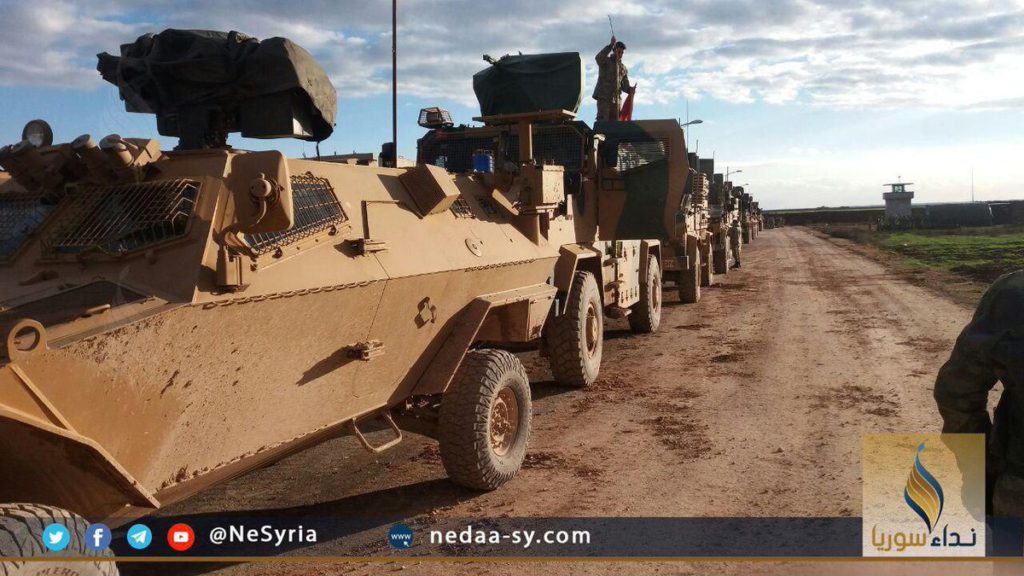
(612, 80)
(991, 349)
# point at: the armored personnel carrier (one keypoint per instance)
(174, 318)
(724, 219)
(747, 216)
(689, 253)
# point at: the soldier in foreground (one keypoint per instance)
(991, 349)
(612, 80)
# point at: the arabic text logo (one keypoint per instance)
(923, 492)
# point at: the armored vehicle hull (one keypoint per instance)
(174, 319)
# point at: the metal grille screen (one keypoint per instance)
(123, 218)
(636, 153)
(316, 209)
(20, 214)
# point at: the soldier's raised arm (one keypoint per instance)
(602, 56)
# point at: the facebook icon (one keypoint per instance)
(97, 537)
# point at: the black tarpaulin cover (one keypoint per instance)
(162, 73)
(529, 83)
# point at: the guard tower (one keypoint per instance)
(897, 200)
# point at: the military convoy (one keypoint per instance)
(175, 318)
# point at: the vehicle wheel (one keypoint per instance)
(485, 420)
(576, 338)
(689, 282)
(646, 314)
(721, 261)
(21, 536)
(707, 271)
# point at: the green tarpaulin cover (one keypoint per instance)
(529, 83)
(163, 73)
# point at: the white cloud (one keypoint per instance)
(898, 53)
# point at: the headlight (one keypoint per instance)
(38, 133)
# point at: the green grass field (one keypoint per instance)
(981, 254)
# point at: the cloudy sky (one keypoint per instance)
(818, 102)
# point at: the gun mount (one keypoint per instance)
(203, 85)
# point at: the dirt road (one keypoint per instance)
(751, 403)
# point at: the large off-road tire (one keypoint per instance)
(689, 281)
(575, 339)
(721, 260)
(485, 420)
(707, 270)
(645, 315)
(21, 536)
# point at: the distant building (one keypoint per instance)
(360, 158)
(897, 201)
(363, 159)
(958, 215)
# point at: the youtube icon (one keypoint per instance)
(181, 537)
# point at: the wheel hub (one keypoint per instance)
(504, 422)
(656, 293)
(592, 329)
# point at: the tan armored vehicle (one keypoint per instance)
(172, 319)
(748, 218)
(689, 253)
(755, 211)
(724, 219)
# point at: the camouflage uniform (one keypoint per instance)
(735, 242)
(991, 348)
(612, 81)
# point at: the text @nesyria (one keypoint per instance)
(265, 534)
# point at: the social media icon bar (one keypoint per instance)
(56, 537)
(181, 537)
(97, 537)
(140, 536)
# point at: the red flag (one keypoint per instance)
(626, 114)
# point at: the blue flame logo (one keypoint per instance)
(923, 492)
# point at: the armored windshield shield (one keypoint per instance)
(644, 179)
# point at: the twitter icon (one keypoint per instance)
(140, 536)
(56, 537)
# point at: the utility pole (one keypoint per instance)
(394, 82)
